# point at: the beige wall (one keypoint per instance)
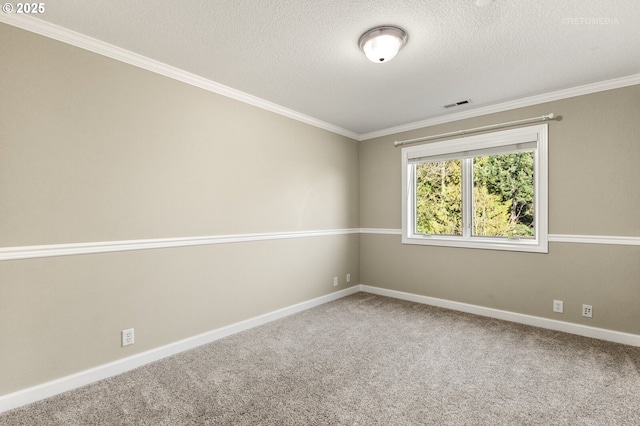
(94, 150)
(593, 177)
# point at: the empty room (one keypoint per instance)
(320, 212)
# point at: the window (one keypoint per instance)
(486, 191)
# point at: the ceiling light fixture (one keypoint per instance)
(381, 44)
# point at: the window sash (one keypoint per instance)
(415, 199)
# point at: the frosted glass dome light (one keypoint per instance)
(381, 44)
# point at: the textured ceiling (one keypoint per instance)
(303, 54)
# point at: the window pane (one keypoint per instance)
(503, 200)
(439, 198)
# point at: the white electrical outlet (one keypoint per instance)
(335, 281)
(558, 306)
(127, 337)
(348, 278)
(587, 311)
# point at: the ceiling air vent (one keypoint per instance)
(459, 103)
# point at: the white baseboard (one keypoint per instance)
(67, 383)
(567, 327)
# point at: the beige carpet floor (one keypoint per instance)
(368, 360)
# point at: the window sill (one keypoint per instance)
(486, 243)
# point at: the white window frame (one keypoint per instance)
(461, 148)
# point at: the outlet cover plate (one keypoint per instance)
(127, 337)
(558, 306)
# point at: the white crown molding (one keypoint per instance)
(32, 252)
(586, 89)
(73, 38)
(566, 327)
(82, 41)
(83, 378)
